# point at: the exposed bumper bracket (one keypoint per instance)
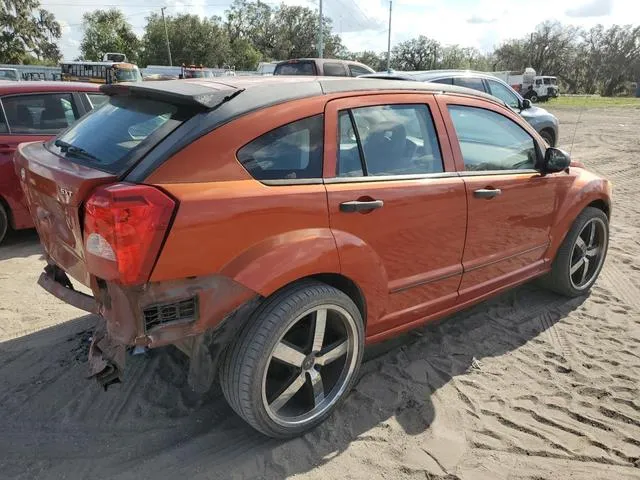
(56, 282)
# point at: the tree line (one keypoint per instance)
(597, 60)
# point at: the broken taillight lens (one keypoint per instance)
(124, 226)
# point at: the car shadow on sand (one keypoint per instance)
(56, 423)
(21, 243)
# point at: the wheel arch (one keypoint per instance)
(588, 198)
(551, 133)
(7, 208)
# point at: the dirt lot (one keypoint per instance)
(528, 385)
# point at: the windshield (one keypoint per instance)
(8, 75)
(125, 124)
(128, 74)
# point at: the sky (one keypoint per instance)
(363, 24)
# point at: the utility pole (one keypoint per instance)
(389, 39)
(166, 35)
(320, 39)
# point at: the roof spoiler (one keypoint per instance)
(188, 95)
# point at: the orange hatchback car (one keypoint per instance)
(270, 228)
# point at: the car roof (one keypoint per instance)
(257, 92)
(35, 87)
(319, 60)
(426, 75)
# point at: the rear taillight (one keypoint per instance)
(124, 226)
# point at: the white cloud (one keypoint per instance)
(594, 8)
(363, 23)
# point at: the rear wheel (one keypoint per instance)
(582, 254)
(295, 361)
(4, 222)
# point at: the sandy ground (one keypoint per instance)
(528, 385)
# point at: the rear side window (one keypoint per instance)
(46, 113)
(297, 68)
(394, 140)
(334, 70)
(469, 82)
(107, 137)
(293, 151)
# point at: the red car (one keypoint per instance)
(271, 227)
(34, 111)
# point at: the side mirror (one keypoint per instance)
(555, 160)
(526, 103)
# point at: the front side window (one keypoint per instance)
(469, 82)
(394, 140)
(357, 70)
(490, 141)
(293, 151)
(504, 93)
(334, 70)
(40, 114)
(97, 99)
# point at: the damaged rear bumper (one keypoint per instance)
(222, 307)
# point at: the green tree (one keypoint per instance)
(26, 30)
(108, 31)
(416, 54)
(377, 61)
(193, 40)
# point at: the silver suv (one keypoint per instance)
(544, 122)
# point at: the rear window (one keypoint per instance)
(297, 68)
(109, 137)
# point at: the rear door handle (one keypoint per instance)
(360, 206)
(487, 193)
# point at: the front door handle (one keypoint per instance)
(487, 193)
(360, 206)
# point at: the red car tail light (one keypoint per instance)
(124, 226)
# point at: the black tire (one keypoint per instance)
(247, 359)
(559, 279)
(4, 223)
(548, 137)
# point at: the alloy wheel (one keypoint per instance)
(310, 366)
(587, 254)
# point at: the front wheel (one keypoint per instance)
(534, 98)
(4, 223)
(295, 361)
(581, 255)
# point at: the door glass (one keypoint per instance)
(469, 82)
(40, 114)
(490, 141)
(397, 140)
(357, 70)
(97, 99)
(334, 70)
(445, 81)
(3, 123)
(287, 153)
(504, 93)
(349, 162)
